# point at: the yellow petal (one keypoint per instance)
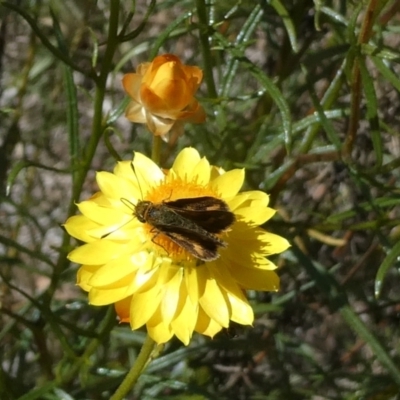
(126, 170)
(78, 227)
(216, 172)
(84, 275)
(247, 198)
(144, 305)
(242, 313)
(185, 163)
(148, 173)
(103, 297)
(273, 243)
(124, 231)
(214, 303)
(98, 252)
(256, 279)
(147, 275)
(160, 333)
(170, 299)
(114, 271)
(254, 239)
(116, 188)
(192, 285)
(255, 215)
(201, 172)
(229, 184)
(184, 323)
(206, 325)
(243, 250)
(260, 262)
(103, 201)
(103, 215)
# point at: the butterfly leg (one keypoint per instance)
(153, 239)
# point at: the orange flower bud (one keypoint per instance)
(162, 94)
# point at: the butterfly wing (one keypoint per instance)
(200, 244)
(208, 212)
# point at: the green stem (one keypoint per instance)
(98, 127)
(70, 374)
(98, 123)
(133, 375)
(372, 11)
(106, 325)
(205, 47)
(382, 355)
(156, 149)
(45, 41)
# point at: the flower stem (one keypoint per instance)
(98, 126)
(204, 36)
(156, 149)
(140, 364)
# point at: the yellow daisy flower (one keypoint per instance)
(149, 276)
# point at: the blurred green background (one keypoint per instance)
(303, 94)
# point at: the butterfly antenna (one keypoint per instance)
(126, 202)
(134, 172)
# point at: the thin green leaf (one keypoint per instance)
(315, 119)
(167, 32)
(133, 52)
(327, 101)
(384, 53)
(386, 72)
(171, 359)
(290, 28)
(247, 30)
(351, 31)
(275, 175)
(46, 42)
(326, 124)
(95, 52)
(382, 202)
(107, 133)
(331, 54)
(372, 111)
(277, 97)
(51, 318)
(72, 102)
(381, 354)
(229, 72)
(391, 258)
(337, 298)
(62, 395)
(132, 35)
(335, 16)
(39, 392)
(35, 255)
(117, 112)
(20, 165)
